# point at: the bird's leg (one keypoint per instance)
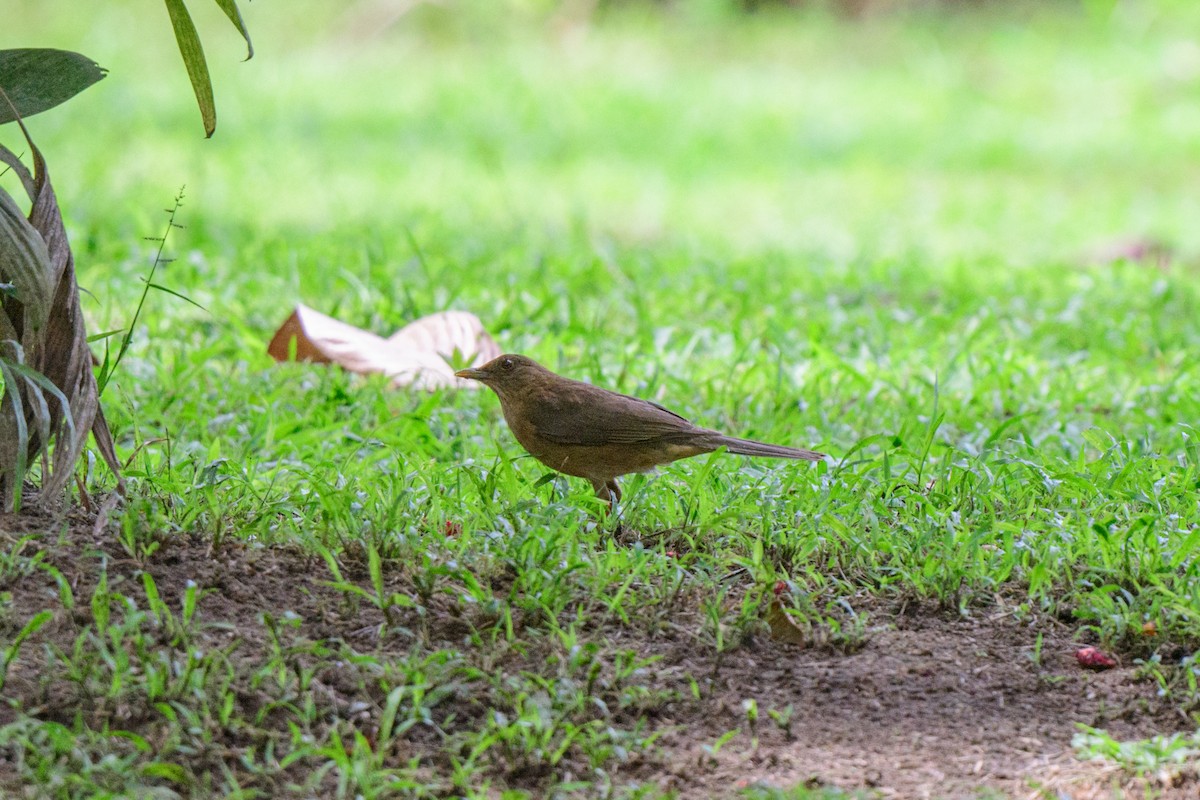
(608, 491)
(614, 491)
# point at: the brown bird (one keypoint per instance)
(592, 433)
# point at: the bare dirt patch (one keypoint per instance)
(934, 705)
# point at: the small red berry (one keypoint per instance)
(1094, 658)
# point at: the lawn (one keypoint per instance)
(877, 238)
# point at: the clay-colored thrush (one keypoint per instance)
(592, 433)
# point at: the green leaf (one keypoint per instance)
(189, 603)
(375, 567)
(332, 563)
(65, 595)
(153, 600)
(30, 628)
(1099, 439)
(95, 337)
(235, 16)
(37, 79)
(137, 741)
(165, 770)
(388, 718)
(37, 381)
(14, 446)
(193, 59)
(10, 653)
(174, 293)
(350, 588)
(100, 609)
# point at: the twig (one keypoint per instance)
(158, 260)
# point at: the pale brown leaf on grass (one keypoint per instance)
(423, 354)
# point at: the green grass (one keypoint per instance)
(862, 238)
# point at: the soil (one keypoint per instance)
(934, 704)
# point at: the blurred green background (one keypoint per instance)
(991, 132)
(595, 178)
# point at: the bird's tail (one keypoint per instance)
(749, 447)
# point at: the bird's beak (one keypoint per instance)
(471, 374)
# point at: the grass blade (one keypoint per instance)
(193, 58)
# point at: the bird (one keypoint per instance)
(580, 429)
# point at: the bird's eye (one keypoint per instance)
(507, 363)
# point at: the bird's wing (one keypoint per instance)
(591, 416)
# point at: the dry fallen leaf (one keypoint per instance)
(418, 355)
(783, 627)
(50, 393)
(450, 334)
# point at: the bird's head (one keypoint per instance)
(505, 374)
